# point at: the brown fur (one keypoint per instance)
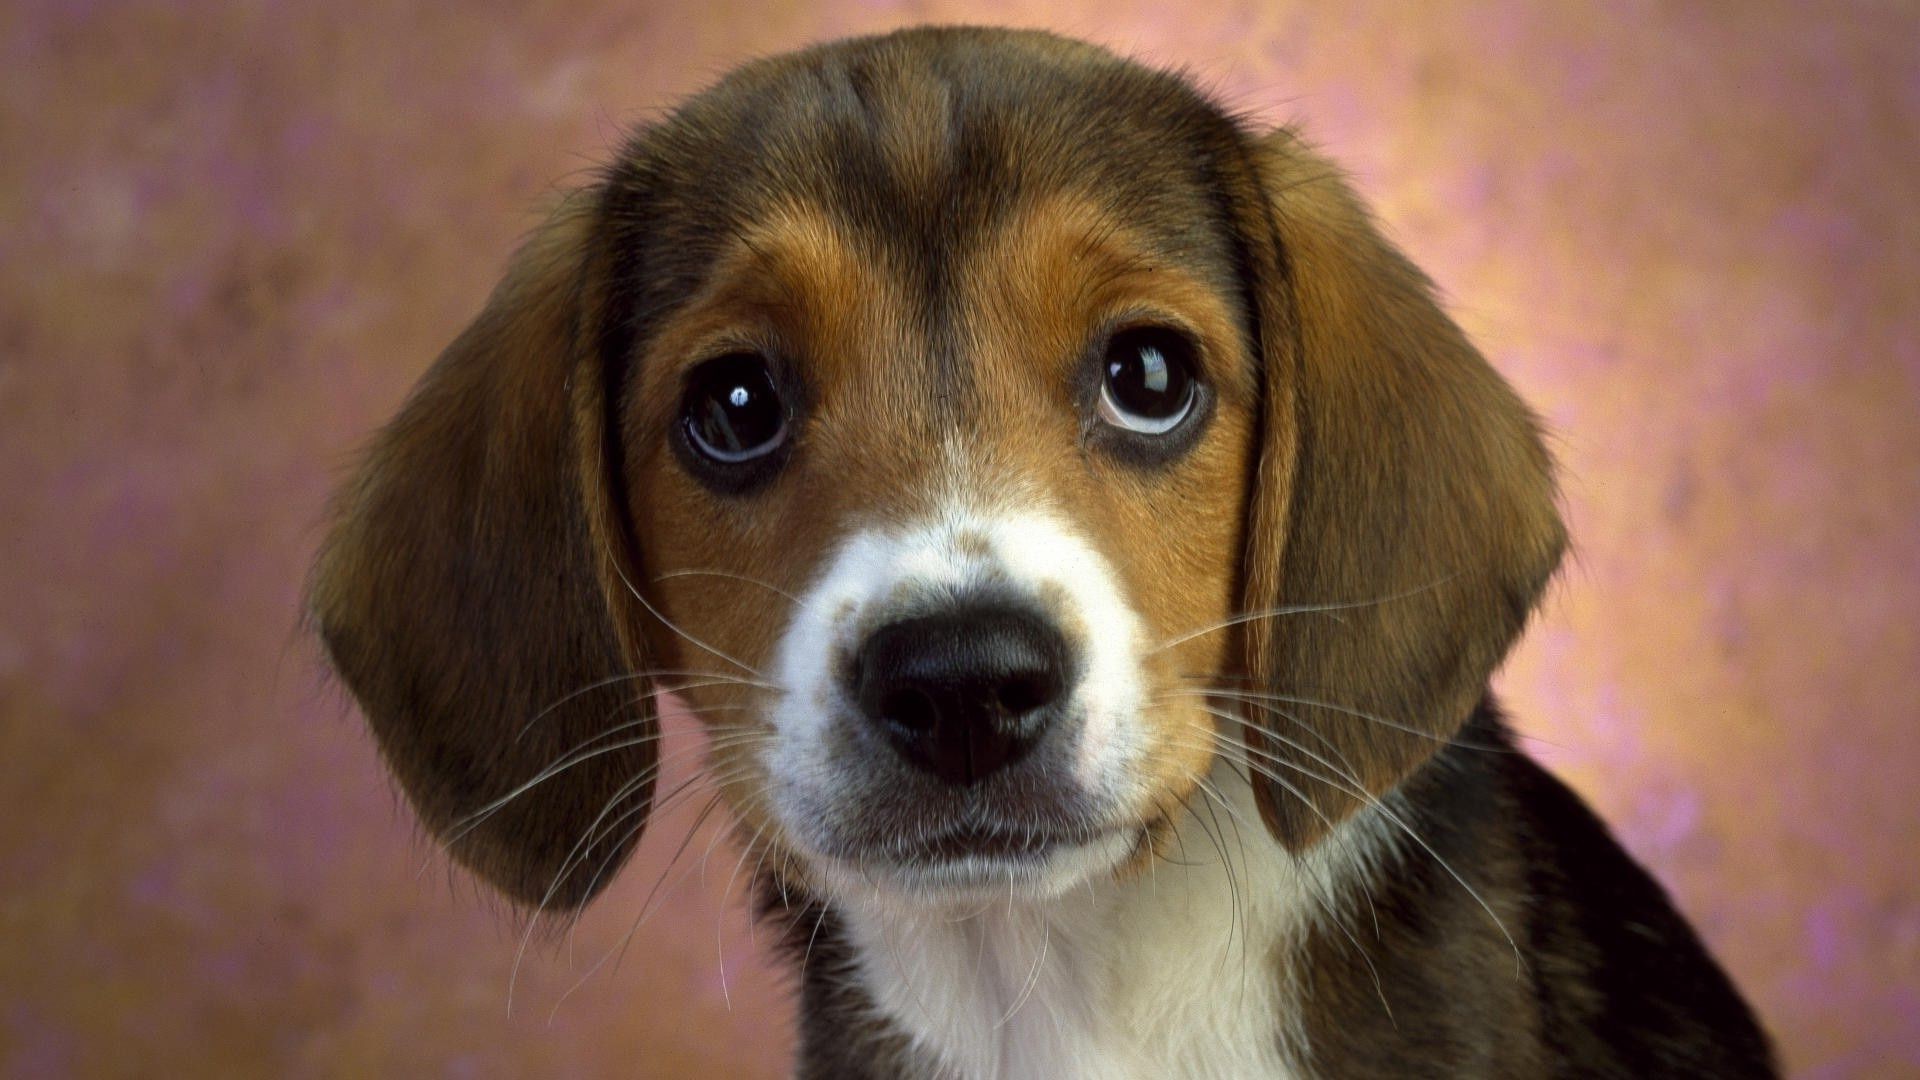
(1399, 477)
(465, 597)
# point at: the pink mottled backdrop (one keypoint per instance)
(233, 233)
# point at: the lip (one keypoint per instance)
(965, 864)
(994, 843)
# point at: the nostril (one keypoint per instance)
(910, 709)
(1021, 694)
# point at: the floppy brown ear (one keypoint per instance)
(463, 593)
(1401, 482)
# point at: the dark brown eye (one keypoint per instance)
(1149, 384)
(732, 411)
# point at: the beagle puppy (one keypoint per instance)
(1087, 544)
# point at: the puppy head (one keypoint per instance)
(968, 425)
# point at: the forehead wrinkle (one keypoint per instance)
(912, 117)
(928, 236)
(923, 164)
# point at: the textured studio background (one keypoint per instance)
(233, 234)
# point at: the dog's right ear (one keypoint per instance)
(472, 593)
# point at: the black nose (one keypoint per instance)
(962, 693)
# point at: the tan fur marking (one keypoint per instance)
(1038, 293)
(973, 545)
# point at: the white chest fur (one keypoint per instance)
(1183, 971)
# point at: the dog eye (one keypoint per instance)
(731, 410)
(1149, 385)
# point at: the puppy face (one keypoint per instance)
(953, 499)
(945, 416)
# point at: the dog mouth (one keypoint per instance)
(972, 860)
(989, 842)
(975, 842)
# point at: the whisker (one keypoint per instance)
(561, 762)
(465, 827)
(1217, 836)
(675, 627)
(811, 938)
(1249, 696)
(1315, 703)
(533, 921)
(1328, 905)
(723, 680)
(731, 576)
(1274, 710)
(1033, 976)
(628, 676)
(692, 831)
(568, 760)
(1237, 916)
(591, 834)
(656, 807)
(645, 813)
(1365, 885)
(753, 923)
(719, 925)
(588, 838)
(1359, 790)
(1298, 609)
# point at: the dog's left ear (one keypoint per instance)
(472, 593)
(1400, 483)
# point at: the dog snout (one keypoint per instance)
(965, 693)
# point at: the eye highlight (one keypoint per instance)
(1148, 382)
(732, 412)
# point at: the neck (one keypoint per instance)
(1183, 969)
